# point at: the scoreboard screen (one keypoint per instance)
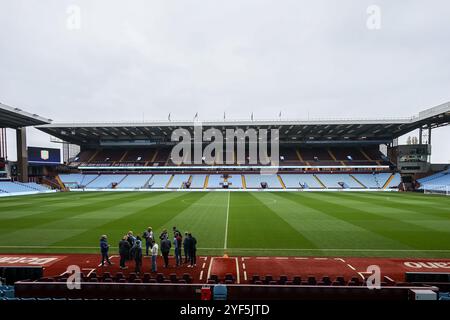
(43, 156)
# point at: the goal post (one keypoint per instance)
(436, 189)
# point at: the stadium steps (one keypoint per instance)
(169, 182)
(154, 156)
(299, 156)
(120, 181)
(205, 185)
(93, 156)
(61, 184)
(98, 176)
(320, 182)
(244, 184)
(281, 181)
(359, 182)
(388, 181)
(123, 156)
(365, 154)
(147, 182)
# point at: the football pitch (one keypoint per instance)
(382, 224)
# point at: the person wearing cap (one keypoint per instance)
(104, 248)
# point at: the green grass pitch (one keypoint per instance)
(238, 223)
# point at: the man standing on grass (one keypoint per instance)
(165, 250)
(148, 236)
(154, 255)
(104, 248)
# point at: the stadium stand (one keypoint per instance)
(106, 181)
(234, 181)
(198, 181)
(215, 181)
(332, 181)
(339, 181)
(134, 181)
(436, 182)
(11, 188)
(159, 181)
(178, 180)
(256, 181)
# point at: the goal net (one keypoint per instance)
(436, 189)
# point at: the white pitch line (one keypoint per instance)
(245, 275)
(92, 270)
(110, 258)
(243, 266)
(320, 258)
(210, 266)
(226, 222)
(281, 258)
(250, 249)
(301, 258)
(204, 264)
(201, 275)
(361, 274)
(351, 267)
(339, 259)
(238, 277)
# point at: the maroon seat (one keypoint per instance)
(173, 278)
(297, 280)
(312, 280)
(268, 278)
(255, 278)
(283, 279)
(187, 277)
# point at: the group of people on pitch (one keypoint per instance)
(130, 248)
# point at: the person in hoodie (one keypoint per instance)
(136, 252)
(104, 248)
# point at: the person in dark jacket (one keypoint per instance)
(192, 251)
(131, 239)
(124, 251)
(165, 250)
(148, 236)
(104, 248)
(186, 243)
(136, 252)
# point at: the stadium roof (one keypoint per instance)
(16, 118)
(294, 131)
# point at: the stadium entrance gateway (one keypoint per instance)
(256, 140)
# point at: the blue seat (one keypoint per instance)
(220, 292)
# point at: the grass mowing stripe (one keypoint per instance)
(253, 224)
(329, 231)
(427, 210)
(96, 221)
(41, 218)
(137, 221)
(226, 222)
(204, 218)
(412, 235)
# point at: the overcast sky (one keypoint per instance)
(134, 60)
